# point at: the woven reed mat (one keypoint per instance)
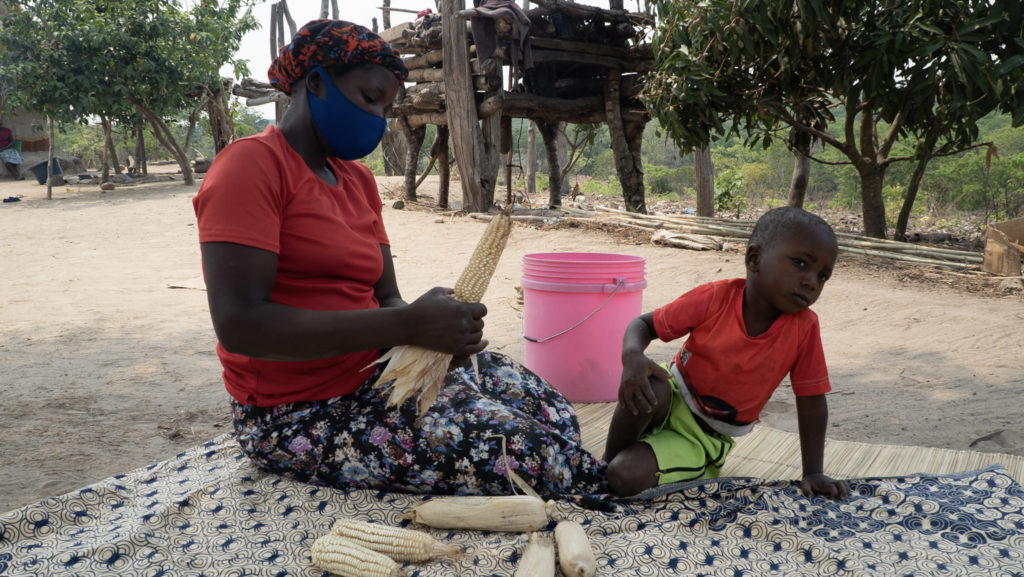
(768, 453)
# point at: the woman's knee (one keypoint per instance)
(632, 470)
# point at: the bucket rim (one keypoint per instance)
(584, 257)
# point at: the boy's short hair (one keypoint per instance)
(777, 221)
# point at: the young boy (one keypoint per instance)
(676, 422)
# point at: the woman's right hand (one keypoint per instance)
(444, 324)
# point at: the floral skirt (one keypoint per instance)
(356, 442)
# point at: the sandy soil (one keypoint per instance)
(104, 367)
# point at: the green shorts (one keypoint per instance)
(685, 451)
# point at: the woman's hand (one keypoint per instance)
(441, 323)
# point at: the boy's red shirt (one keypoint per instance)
(733, 375)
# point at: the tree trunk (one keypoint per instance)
(548, 133)
(414, 141)
(440, 151)
(634, 143)
(562, 148)
(324, 5)
(222, 129)
(531, 159)
(872, 176)
(463, 123)
(490, 158)
(109, 143)
(49, 163)
(140, 147)
(386, 15)
(108, 147)
(166, 139)
(625, 145)
(801, 176)
(393, 147)
(925, 155)
(705, 170)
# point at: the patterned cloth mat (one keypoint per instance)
(209, 512)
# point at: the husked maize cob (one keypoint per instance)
(538, 558)
(575, 556)
(419, 371)
(347, 558)
(513, 513)
(400, 544)
(473, 281)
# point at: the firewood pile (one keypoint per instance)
(572, 48)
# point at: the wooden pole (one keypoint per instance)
(463, 124)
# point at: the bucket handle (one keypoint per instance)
(619, 283)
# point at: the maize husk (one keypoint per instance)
(420, 372)
(406, 545)
(538, 558)
(575, 556)
(516, 513)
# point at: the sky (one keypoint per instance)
(255, 45)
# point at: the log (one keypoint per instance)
(579, 47)
(850, 243)
(425, 60)
(426, 96)
(393, 35)
(260, 100)
(435, 118)
(488, 68)
(620, 64)
(577, 111)
(591, 12)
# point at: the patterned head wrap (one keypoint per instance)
(329, 43)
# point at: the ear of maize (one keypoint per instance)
(418, 371)
(347, 558)
(575, 556)
(538, 558)
(473, 281)
(406, 545)
(515, 513)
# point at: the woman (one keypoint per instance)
(303, 297)
(8, 154)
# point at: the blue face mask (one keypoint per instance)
(349, 131)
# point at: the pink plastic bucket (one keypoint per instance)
(576, 306)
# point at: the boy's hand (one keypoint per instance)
(822, 484)
(635, 391)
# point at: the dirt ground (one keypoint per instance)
(106, 367)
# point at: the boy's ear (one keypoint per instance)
(753, 258)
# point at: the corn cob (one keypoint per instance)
(347, 558)
(513, 513)
(419, 371)
(575, 556)
(400, 544)
(538, 558)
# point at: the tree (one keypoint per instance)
(924, 69)
(73, 59)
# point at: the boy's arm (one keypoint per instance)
(635, 392)
(812, 418)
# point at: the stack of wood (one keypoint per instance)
(257, 93)
(572, 47)
(704, 233)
